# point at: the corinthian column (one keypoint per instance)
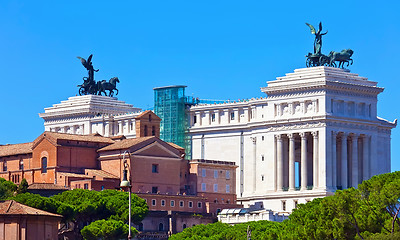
(279, 164)
(365, 157)
(254, 139)
(344, 161)
(334, 162)
(354, 161)
(292, 174)
(304, 176)
(315, 160)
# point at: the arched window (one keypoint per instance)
(4, 166)
(184, 226)
(153, 131)
(145, 130)
(21, 164)
(161, 227)
(44, 165)
(149, 117)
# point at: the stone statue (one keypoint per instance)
(90, 86)
(318, 38)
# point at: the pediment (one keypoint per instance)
(157, 149)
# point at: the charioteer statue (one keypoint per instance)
(90, 86)
(334, 59)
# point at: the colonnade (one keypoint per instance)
(296, 147)
(349, 158)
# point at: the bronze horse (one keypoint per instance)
(342, 57)
(103, 85)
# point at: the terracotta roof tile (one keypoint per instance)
(14, 149)
(101, 173)
(74, 137)
(146, 112)
(125, 144)
(73, 175)
(46, 186)
(11, 207)
(176, 146)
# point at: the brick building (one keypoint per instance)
(173, 187)
(21, 222)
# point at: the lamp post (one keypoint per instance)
(126, 183)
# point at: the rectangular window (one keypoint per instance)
(203, 187)
(284, 205)
(172, 203)
(181, 204)
(153, 202)
(194, 119)
(154, 189)
(4, 166)
(190, 204)
(215, 173)
(203, 172)
(262, 157)
(85, 186)
(21, 165)
(228, 189)
(154, 168)
(262, 138)
(213, 117)
(163, 203)
(232, 116)
(228, 174)
(199, 204)
(215, 187)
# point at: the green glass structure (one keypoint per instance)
(170, 105)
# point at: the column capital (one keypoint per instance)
(290, 136)
(354, 136)
(254, 139)
(364, 136)
(315, 134)
(344, 134)
(335, 133)
(303, 134)
(278, 137)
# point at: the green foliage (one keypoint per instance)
(108, 204)
(23, 186)
(385, 236)
(221, 231)
(107, 230)
(85, 206)
(369, 212)
(7, 189)
(46, 204)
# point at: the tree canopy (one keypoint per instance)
(84, 206)
(369, 212)
(7, 189)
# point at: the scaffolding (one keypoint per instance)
(170, 105)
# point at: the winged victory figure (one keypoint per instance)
(318, 38)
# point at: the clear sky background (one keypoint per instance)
(219, 49)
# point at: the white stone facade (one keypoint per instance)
(317, 131)
(91, 114)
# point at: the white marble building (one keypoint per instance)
(90, 114)
(316, 131)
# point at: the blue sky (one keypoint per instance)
(219, 49)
